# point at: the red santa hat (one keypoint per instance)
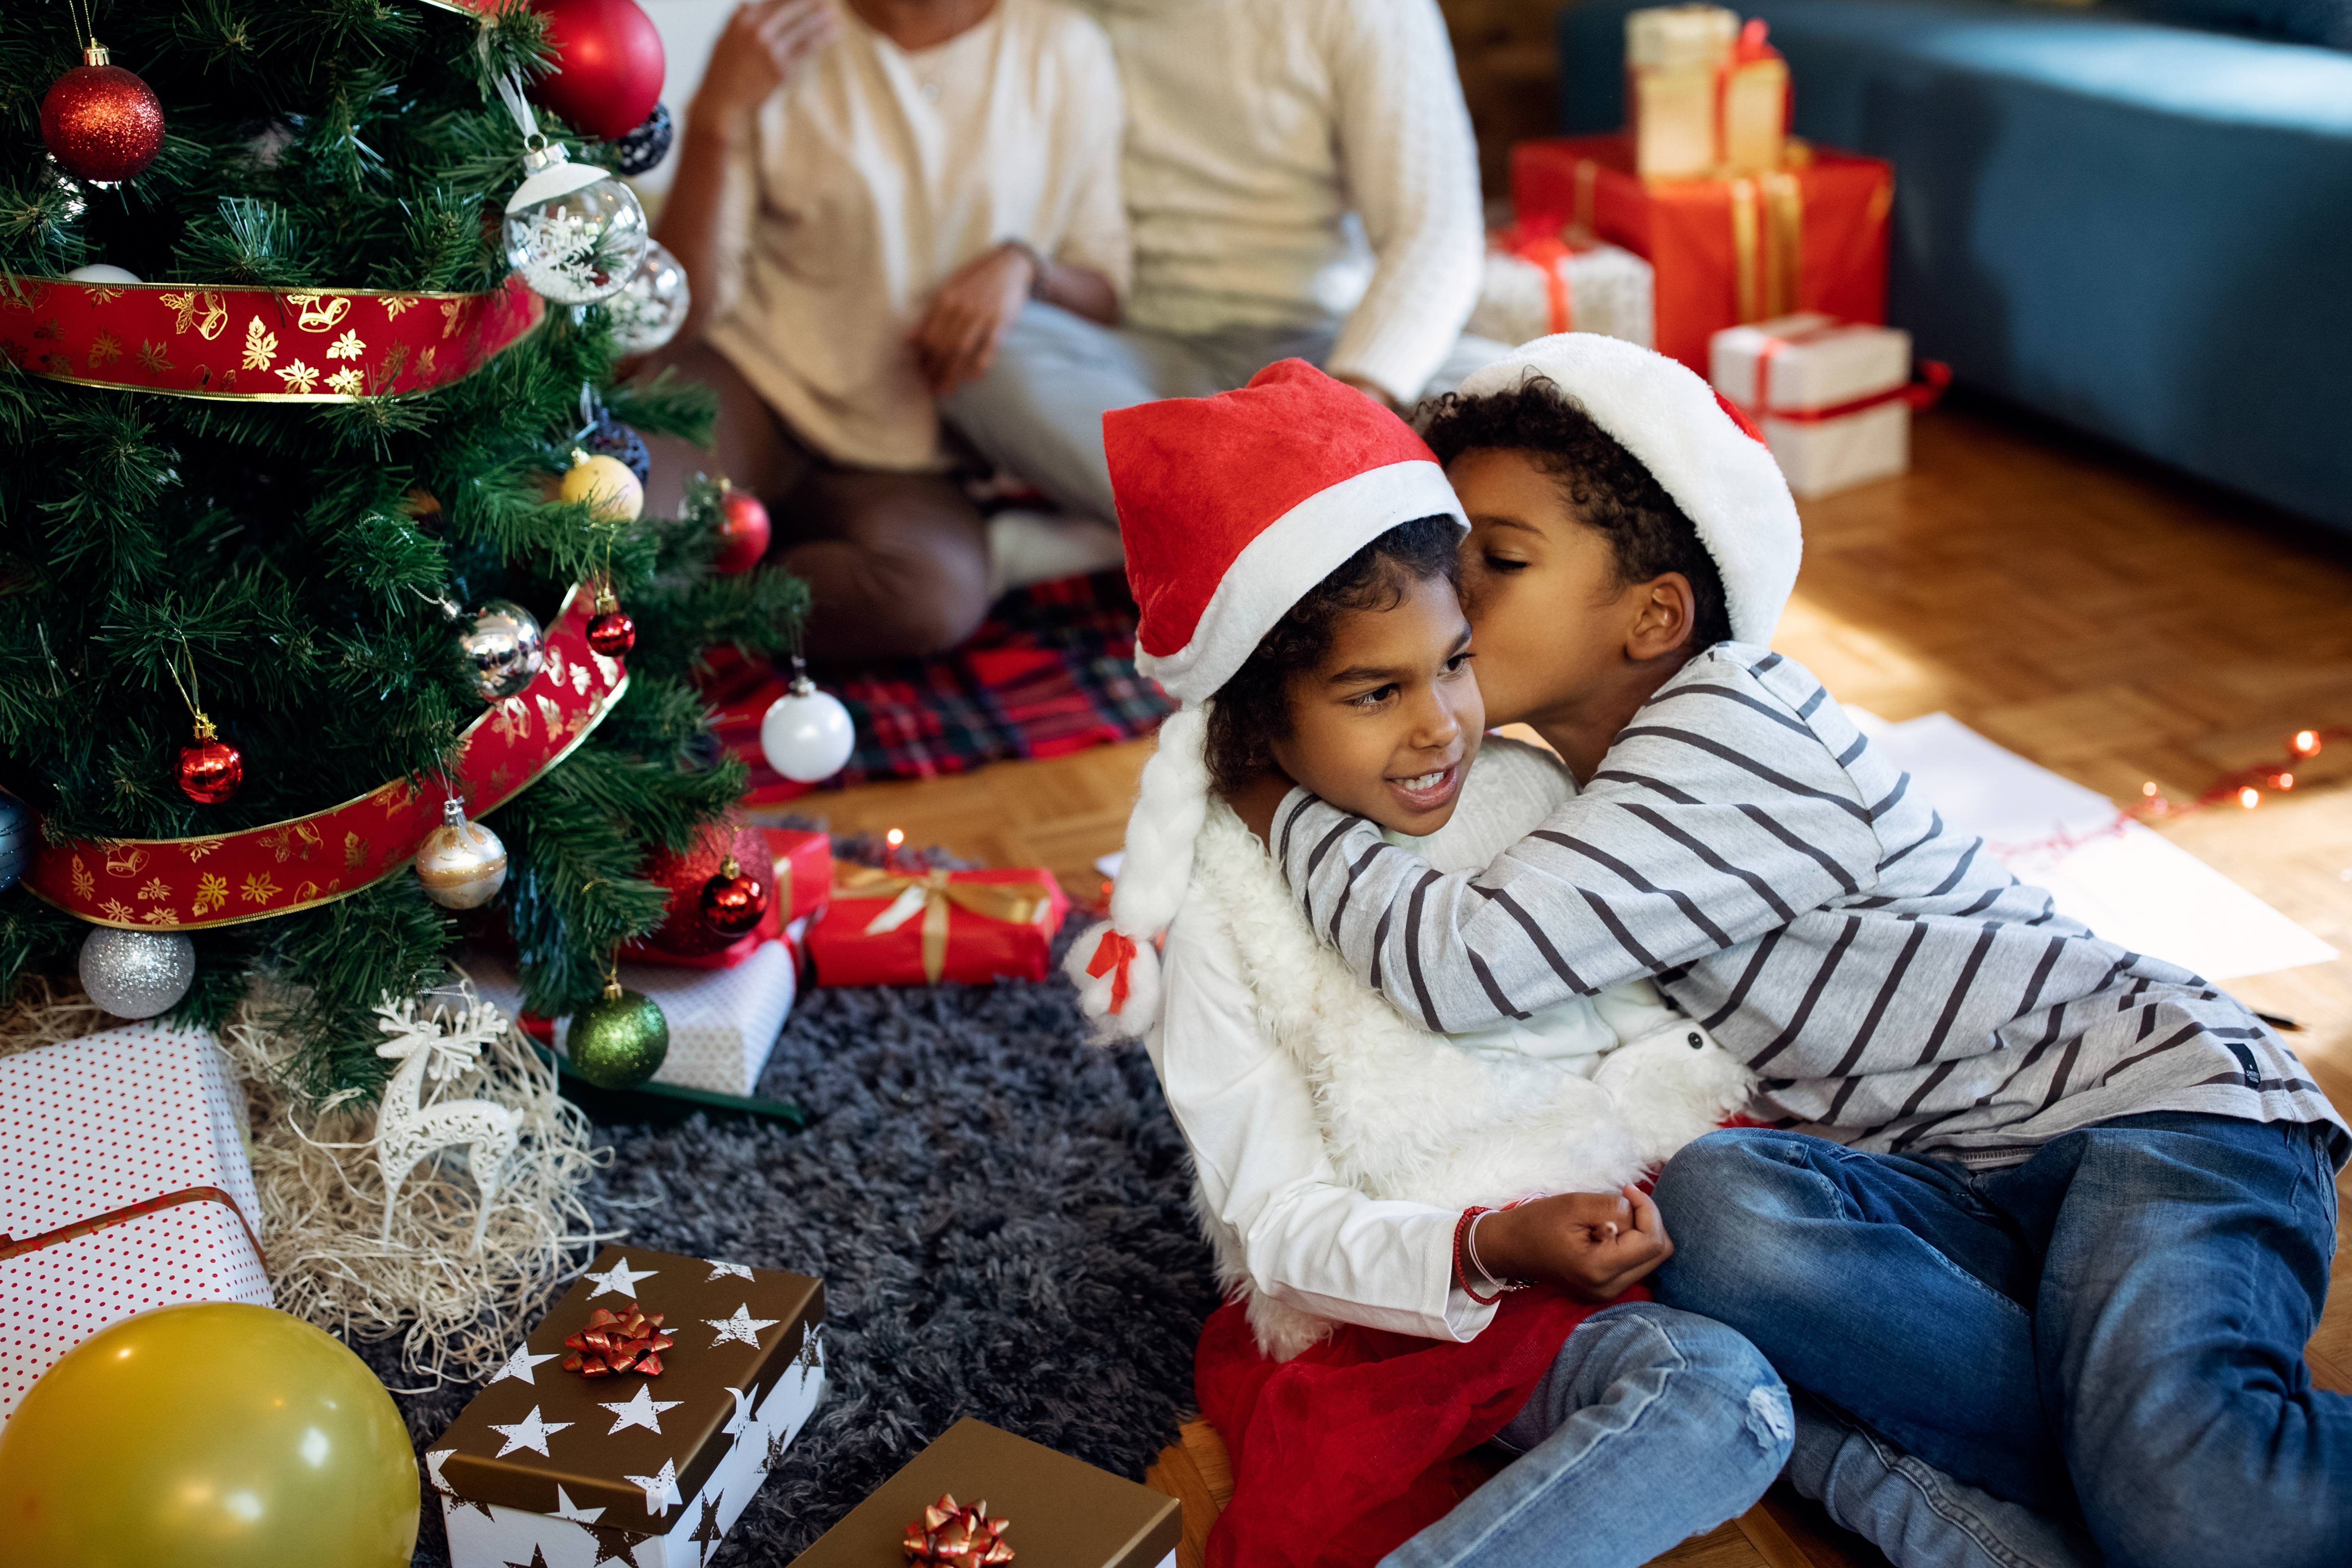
(1702, 451)
(1231, 509)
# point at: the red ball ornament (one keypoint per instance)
(611, 632)
(685, 932)
(211, 769)
(100, 122)
(609, 64)
(734, 900)
(743, 531)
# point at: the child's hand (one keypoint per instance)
(1591, 1244)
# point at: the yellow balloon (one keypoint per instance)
(607, 484)
(212, 1434)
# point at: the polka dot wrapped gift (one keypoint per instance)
(123, 1185)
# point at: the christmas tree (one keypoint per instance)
(305, 567)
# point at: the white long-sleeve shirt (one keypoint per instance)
(1744, 845)
(874, 173)
(1298, 164)
(1304, 1236)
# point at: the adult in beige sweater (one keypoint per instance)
(1301, 180)
(868, 193)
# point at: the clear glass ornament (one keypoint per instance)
(649, 311)
(137, 973)
(575, 233)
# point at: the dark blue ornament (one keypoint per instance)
(648, 144)
(611, 438)
(15, 840)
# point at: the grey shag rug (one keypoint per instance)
(998, 1212)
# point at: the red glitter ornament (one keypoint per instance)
(211, 769)
(611, 633)
(684, 931)
(743, 531)
(100, 122)
(732, 902)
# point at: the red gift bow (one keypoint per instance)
(958, 1537)
(1539, 242)
(615, 1343)
(1115, 949)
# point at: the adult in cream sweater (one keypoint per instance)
(1301, 182)
(868, 193)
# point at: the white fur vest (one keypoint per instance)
(1408, 1114)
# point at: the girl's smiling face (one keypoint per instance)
(1386, 725)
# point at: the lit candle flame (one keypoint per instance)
(2250, 797)
(2286, 781)
(2307, 743)
(896, 837)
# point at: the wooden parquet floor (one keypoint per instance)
(2106, 619)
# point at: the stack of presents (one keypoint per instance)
(1707, 232)
(826, 923)
(636, 1421)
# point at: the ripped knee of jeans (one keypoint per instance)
(1770, 1420)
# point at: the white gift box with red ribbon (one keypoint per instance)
(1537, 284)
(123, 1187)
(1834, 399)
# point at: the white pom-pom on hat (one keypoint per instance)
(1703, 454)
(1231, 509)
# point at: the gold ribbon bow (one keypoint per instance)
(929, 894)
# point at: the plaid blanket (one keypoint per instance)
(1052, 670)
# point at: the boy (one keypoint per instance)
(2067, 1219)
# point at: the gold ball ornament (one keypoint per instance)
(207, 1434)
(461, 863)
(611, 490)
(619, 1040)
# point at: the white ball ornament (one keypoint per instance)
(606, 484)
(100, 272)
(648, 313)
(137, 973)
(576, 234)
(462, 863)
(807, 735)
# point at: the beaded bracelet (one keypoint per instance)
(1466, 1243)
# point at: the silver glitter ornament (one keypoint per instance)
(137, 973)
(504, 646)
(575, 233)
(462, 863)
(650, 309)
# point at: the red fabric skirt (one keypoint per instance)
(1348, 1450)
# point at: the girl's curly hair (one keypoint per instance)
(1252, 711)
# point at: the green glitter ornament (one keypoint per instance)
(619, 1040)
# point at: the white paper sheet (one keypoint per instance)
(2134, 887)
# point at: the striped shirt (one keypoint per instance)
(1746, 846)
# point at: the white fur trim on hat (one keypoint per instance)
(1286, 561)
(1670, 421)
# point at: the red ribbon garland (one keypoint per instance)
(1118, 950)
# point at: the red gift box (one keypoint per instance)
(911, 927)
(1810, 236)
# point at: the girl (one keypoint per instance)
(1292, 547)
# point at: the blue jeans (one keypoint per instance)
(1653, 1425)
(1038, 411)
(2115, 1325)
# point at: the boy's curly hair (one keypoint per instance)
(1252, 711)
(1608, 489)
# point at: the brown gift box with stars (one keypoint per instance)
(691, 1378)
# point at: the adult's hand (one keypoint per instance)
(1595, 1246)
(764, 41)
(956, 340)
